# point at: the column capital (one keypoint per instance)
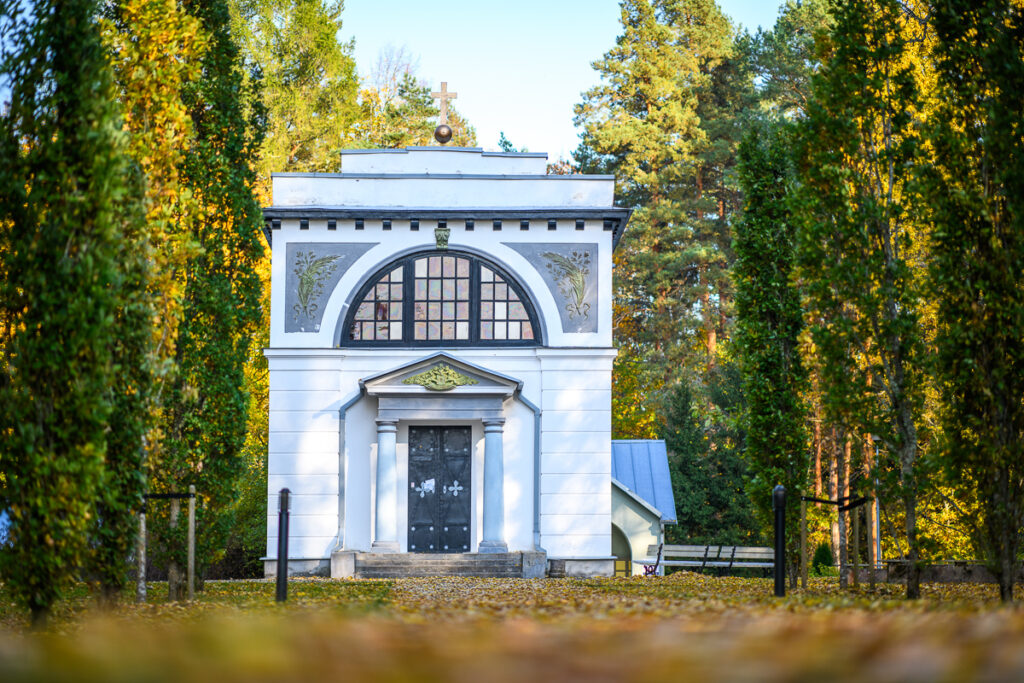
(386, 425)
(494, 424)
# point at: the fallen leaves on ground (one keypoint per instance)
(685, 626)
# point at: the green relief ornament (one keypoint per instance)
(312, 273)
(441, 234)
(571, 273)
(441, 377)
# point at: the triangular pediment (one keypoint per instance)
(440, 374)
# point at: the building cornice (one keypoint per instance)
(614, 218)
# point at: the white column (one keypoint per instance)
(494, 488)
(386, 526)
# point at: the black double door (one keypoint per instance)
(440, 462)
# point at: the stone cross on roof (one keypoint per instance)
(444, 96)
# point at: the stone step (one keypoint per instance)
(437, 567)
(365, 574)
(439, 571)
(440, 559)
(427, 557)
(447, 564)
(389, 565)
(434, 566)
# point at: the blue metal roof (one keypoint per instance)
(641, 465)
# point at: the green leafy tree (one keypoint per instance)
(153, 47)
(859, 245)
(114, 527)
(64, 204)
(974, 191)
(310, 90)
(769, 321)
(204, 409)
(310, 87)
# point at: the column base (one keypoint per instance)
(384, 546)
(492, 547)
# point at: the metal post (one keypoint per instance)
(803, 543)
(191, 542)
(140, 557)
(282, 546)
(779, 506)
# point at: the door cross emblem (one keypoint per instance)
(424, 488)
(454, 488)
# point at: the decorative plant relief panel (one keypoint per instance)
(314, 270)
(570, 272)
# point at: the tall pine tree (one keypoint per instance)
(663, 121)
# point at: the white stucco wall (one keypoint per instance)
(308, 388)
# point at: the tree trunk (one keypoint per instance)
(908, 487)
(817, 456)
(913, 557)
(140, 558)
(40, 618)
(833, 492)
(710, 334)
(870, 514)
(108, 597)
(175, 584)
(1008, 530)
(843, 480)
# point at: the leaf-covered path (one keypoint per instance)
(681, 627)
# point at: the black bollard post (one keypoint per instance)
(282, 546)
(779, 506)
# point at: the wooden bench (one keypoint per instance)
(724, 557)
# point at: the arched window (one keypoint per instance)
(441, 298)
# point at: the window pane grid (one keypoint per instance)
(379, 315)
(503, 317)
(441, 298)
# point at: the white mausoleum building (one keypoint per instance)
(440, 364)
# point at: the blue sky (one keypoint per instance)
(518, 67)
